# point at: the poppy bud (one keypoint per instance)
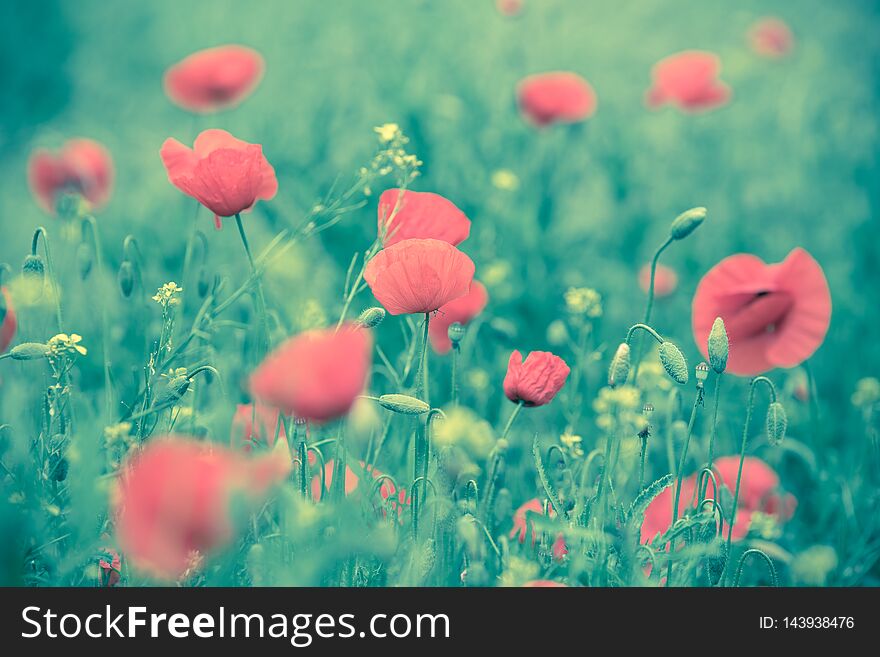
(203, 284)
(84, 257)
(777, 422)
(686, 223)
(125, 277)
(371, 317)
(29, 351)
(674, 362)
(456, 333)
(404, 404)
(34, 267)
(718, 346)
(702, 373)
(619, 370)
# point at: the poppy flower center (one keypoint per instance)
(762, 313)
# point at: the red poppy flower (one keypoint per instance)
(225, 174)
(110, 567)
(759, 491)
(8, 321)
(175, 498)
(665, 280)
(82, 166)
(775, 315)
(509, 7)
(536, 380)
(689, 80)
(420, 215)
(461, 310)
(556, 97)
(352, 481)
(214, 79)
(523, 527)
(544, 584)
(771, 37)
(244, 432)
(418, 276)
(317, 375)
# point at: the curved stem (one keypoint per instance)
(774, 578)
(649, 305)
(643, 327)
(56, 291)
(742, 457)
(510, 420)
(258, 280)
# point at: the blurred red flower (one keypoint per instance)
(509, 7)
(418, 275)
(81, 166)
(523, 527)
(556, 97)
(776, 315)
(665, 280)
(771, 37)
(398, 498)
(759, 491)
(244, 434)
(536, 380)
(225, 174)
(544, 583)
(214, 79)
(316, 375)
(9, 322)
(688, 80)
(461, 310)
(420, 215)
(175, 497)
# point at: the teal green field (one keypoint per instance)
(177, 400)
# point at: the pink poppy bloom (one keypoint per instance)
(665, 280)
(225, 174)
(214, 79)
(175, 498)
(771, 37)
(556, 97)
(543, 584)
(9, 322)
(81, 166)
(420, 215)
(523, 527)
(461, 310)
(536, 380)
(759, 491)
(244, 434)
(419, 275)
(509, 7)
(110, 568)
(775, 315)
(316, 375)
(688, 80)
(352, 481)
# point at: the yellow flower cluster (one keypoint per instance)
(583, 301)
(167, 294)
(66, 344)
(625, 404)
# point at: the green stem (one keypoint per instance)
(263, 344)
(422, 385)
(355, 286)
(510, 420)
(742, 457)
(643, 451)
(649, 305)
(56, 290)
(92, 223)
(455, 356)
(715, 402)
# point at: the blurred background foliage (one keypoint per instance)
(791, 161)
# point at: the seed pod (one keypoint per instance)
(686, 223)
(455, 333)
(29, 351)
(674, 362)
(777, 422)
(701, 371)
(404, 404)
(718, 346)
(203, 284)
(619, 370)
(125, 278)
(371, 317)
(84, 258)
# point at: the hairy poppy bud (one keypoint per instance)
(34, 269)
(777, 422)
(456, 333)
(718, 346)
(29, 351)
(404, 404)
(125, 277)
(619, 370)
(674, 362)
(84, 258)
(686, 223)
(371, 317)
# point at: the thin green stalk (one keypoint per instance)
(56, 290)
(260, 298)
(715, 402)
(422, 385)
(456, 354)
(92, 223)
(352, 291)
(512, 417)
(649, 305)
(742, 457)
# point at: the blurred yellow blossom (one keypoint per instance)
(583, 301)
(867, 392)
(66, 344)
(167, 294)
(505, 179)
(387, 132)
